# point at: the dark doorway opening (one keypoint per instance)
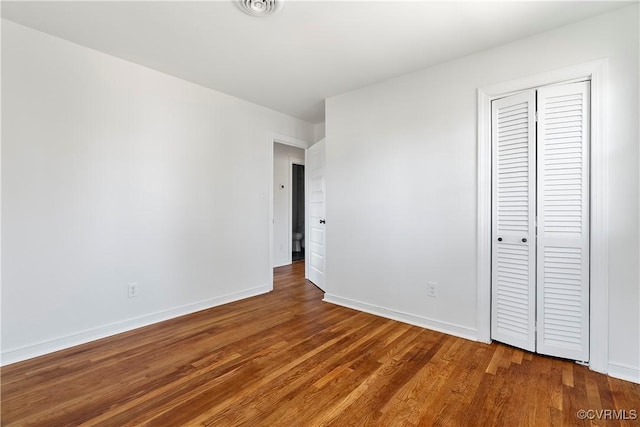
(297, 214)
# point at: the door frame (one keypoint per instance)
(272, 139)
(595, 71)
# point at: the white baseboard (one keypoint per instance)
(49, 346)
(280, 264)
(412, 319)
(624, 372)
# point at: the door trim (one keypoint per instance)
(273, 138)
(599, 246)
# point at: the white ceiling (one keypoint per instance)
(311, 50)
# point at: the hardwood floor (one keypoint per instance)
(288, 359)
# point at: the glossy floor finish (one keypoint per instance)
(288, 359)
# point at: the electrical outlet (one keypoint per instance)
(132, 290)
(432, 289)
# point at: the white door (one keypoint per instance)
(540, 220)
(513, 291)
(316, 237)
(563, 221)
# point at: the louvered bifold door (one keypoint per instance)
(563, 221)
(513, 216)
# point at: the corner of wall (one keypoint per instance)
(318, 131)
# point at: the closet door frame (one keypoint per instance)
(599, 201)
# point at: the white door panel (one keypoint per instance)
(563, 221)
(513, 231)
(316, 223)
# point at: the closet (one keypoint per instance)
(540, 220)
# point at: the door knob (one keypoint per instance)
(499, 239)
(524, 240)
(322, 221)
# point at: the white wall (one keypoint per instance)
(402, 182)
(282, 156)
(113, 173)
(318, 131)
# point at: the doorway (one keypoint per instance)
(297, 212)
(287, 213)
(315, 248)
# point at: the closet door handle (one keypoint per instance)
(524, 240)
(499, 239)
(322, 221)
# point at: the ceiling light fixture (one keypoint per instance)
(260, 7)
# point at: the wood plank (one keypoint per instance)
(287, 358)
